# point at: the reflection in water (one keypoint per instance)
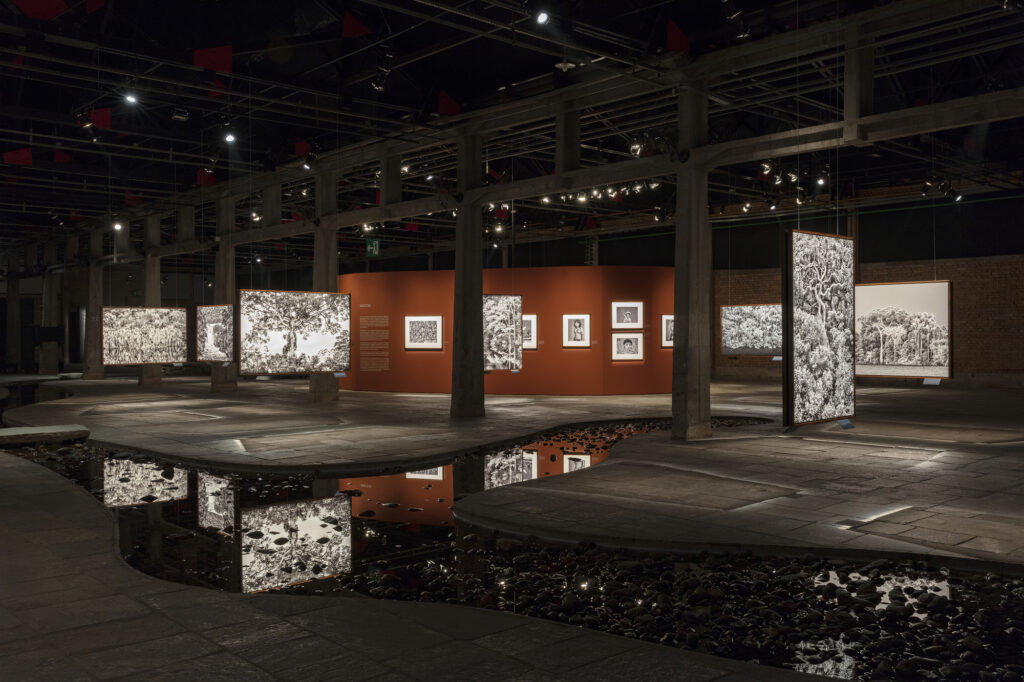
(286, 544)
(215, 497)
(127, 482)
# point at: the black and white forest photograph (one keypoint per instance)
(215, 333)
(903, 330)
(752, 329)
(293, 332)
(216, 502)
(668, 330)
(144, 336)
(628, 346)
(529, 332)
(431, 474)
(503, 332)
(823, 327)
(627, 315)
(286, 544)
(576, 331)
(423, 332)
(127, 482)
(509, 466)
(574, 462)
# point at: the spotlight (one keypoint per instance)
(366, 227)
(130, 98)
(498, 227)
(596, 193)
(792, 176)
(209, 284)
(117, 226)
(84, 119)
(542, 17)
(430, 178)
(229, 137)
(582, 198)
(654, 184)
(635, 148)
(799, 201)
(405, 169)
(180, 115)
(308, 163)
(821, 180)
(746, 207)
(771, 204)
(638, 187)
(259, 259)
(778, 180)
(924, 189)
(766, 167)
(958, 196)
(545, 200)
(495, 244)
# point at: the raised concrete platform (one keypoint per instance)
(70, 609)
(58, 433)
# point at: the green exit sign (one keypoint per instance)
(372, 246)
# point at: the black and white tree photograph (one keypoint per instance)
(295, 542)
(574, 462)
(752, 329)
(503, 332)
(628, 346)
(216, 502)
(823, 327)
(128, 482)
(529, 332)
(144, 336)
(215, 333)
(576, 331)
(509, 466)
(668, 330)
(431, 474)
(423, 332)
(903, 329)
(293, 332)
(627, 315)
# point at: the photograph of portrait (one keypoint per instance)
(627, 346)
(573, 462)
(576, 331)
(423, 332)
(627, 315)
(529, 332)
(668, 330)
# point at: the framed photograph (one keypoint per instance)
(293, 332)
(529, 332)
(576, 331)
(215, 333)
(628, 346)
(503, 332)
(903, 330)
(752, 329)
(820, 326)
(423, 332)
(627, 315)
(529, 465)
(432, 474)
(144, 336)
(573, 462)
(668, 330)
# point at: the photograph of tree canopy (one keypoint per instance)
(286, 544)
(215, 333)
(423, 332)
(503, 332)
(903, 329)
(509, 466)
(293, 332)
(823, 327)
(752, 329)
(144, 336)
(127, 482)
(216, 502)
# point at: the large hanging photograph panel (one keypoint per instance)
(215, 333)
(503, 332)
(293, 332)
(752, 329)
(291, 543)
(903, 330)
(144, 336)
(821, 364)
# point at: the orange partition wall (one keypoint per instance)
(381, 300)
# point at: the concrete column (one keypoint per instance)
(224, 376)
(12, 361)
(858, 85)
(49, 351)
(186, 220)
(326, 195)
(323, 387)
(468, 339)
(567, 138)
(271, 205)
(390, 179)
(71, 245)
(31, 258)
(691, 353)
(93, 361)
(151, 375)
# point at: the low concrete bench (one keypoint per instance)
(29, 435)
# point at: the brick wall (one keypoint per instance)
(988, 314)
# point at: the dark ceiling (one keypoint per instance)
(292, 77)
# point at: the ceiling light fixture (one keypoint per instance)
(310, 159)
(229, 136)
(542, 17)
(118, 226)
(130, 98)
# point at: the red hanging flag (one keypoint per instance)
(352, 27)
(205, 178)
(214, 58)
(44, 10)
(446, 106)
(94, 5)
(19, 157)
(676, 41)
(302, 148)
(412, 227)
(61, 157)
(100, 118)
(131, 198)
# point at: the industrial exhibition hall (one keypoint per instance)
(512, 340)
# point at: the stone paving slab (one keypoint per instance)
(63, 617)
(57, 433)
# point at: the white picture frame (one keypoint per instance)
(628, 346)
(293, 332)
(572, 461)
(668, 330)
(573, 335)
(424, 332)
(627, 314)
(431, 474)
(529, 332)
(503, 332)
(904, 329)
(530, 459)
